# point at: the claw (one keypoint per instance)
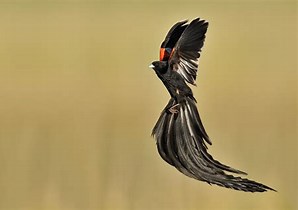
(174, 109)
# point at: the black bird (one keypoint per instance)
(180, 135)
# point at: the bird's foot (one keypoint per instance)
(174, 109)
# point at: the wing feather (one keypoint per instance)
(171, 39)
(184, 56)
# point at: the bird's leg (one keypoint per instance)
(174, 104)
(174, 109)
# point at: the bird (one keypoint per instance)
(180, 136)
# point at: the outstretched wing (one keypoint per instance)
(184, 56)
(171, 39)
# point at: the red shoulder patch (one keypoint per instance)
(164, 54)
(171, 53)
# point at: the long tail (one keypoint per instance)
(181, 141)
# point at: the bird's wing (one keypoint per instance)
(171, 39)
(184, 56)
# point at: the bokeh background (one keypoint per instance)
(78, 103)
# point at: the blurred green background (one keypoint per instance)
(78, 103)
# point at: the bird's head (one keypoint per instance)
(159, 66)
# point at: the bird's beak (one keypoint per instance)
(151, 66)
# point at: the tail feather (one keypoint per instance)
(181, 141)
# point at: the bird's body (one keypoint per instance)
(180, 135)
(173, 81)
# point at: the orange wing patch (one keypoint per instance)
(164, 53)
(171, 53)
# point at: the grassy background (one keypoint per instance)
(78, 103)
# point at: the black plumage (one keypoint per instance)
(180, 135)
